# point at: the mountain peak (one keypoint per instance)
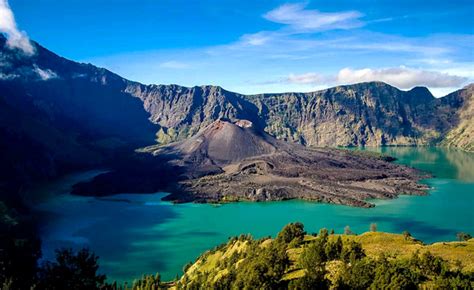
(420, 94)
(224, 141)
(420, 90)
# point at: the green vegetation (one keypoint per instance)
(293, 260)
(71, 271)
(371, 154)
(463, 236)
(19, 249)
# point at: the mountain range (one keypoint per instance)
(58, 115)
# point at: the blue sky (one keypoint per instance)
(262, 46)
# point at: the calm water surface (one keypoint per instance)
(136, 233)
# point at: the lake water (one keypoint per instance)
(135, 233)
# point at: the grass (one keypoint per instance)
(458, 254)
(377, 243)
(209, 261)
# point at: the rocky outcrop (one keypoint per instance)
(230, 162)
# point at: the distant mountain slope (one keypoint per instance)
(366, 114)
(462, 135)
(57, 115)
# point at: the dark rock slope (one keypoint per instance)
(235, 161)
(57, 115)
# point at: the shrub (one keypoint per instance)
(463, 236)
(373, 227)
(291, 232)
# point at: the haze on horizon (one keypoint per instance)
(247, 47)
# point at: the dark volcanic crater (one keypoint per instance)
(235, 161)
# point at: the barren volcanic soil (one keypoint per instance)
(236, 161)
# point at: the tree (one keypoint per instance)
(71, 271)
(147, 282)
(352, 251)
(373, 227)
(333, 249)
(432, 265)
(406, 235)
(393, 275)
(291, 232)
(347, 231)
(358, 275)
(263, 268)
(313, 261)
(463, 236)
(187, 266)
(20, 249)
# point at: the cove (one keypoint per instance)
(136, 234)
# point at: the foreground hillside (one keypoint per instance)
(296, 260)
(293, 259)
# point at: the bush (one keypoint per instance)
(334, 249)
(393, 275)
(463, 236)
(292, 231)
(358, 275)
(406, 235)
(352, 251)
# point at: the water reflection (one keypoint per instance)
(442, 162)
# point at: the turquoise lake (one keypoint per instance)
(138, 233)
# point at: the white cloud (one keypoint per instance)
(306, 78)
(45, 74)
(256, 39)
(307, 39)
(7, 77)
(401, 77)
(174, 65)
(301, 19)
(15, 38)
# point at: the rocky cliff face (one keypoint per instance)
(462, 134)
(366, 114)
(181, 112)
